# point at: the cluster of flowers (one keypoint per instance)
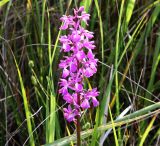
(79, 64)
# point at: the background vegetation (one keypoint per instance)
(127, 36)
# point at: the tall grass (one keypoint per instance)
(127, 37)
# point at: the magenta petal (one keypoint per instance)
(88, 72)
(76, 38)
(74, 97)
(81, 9)
(67, 20)
(64, 86)
(68, 98)
(85, 104)
(64, 39)
(69, 117)
(62, 64)
(79, 45)
(65, 73)
(90, 55)
(89, 45)
(78, 87)
(89, 35)
(64, 26)
(69, 114)
(66, 47)
(73, 67)
(95, 102)
(80, 55)
(92, 93)
(63, 91)
(85, 17)
(75, 101)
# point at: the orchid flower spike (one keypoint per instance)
(80, 64)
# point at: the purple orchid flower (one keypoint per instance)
(79, 64)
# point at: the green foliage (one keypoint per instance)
(127, 37)
(3, 2)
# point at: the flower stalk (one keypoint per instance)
(78, 126)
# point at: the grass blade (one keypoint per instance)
(125, 120)
(113, 126)
(3, 2)
(26, 107)
(147, 131)
(101, 28)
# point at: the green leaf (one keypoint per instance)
(3, 2)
